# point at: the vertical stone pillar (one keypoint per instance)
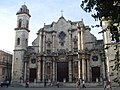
(83, 67)
(79, 69)
(103, 66)
(53, 40)
(88, 70)
(43, 76)
(83, 56)
(40, 42)
(79, 48)
(25, 72)
(44, 42)
(70, 41)
(79, 40)
(70, 71)
(38, 71)
(82, 42)
(54, 71)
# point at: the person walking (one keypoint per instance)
(108, 85)
(45, 83)
(78, 83)
(83, 84)
(58, 84)
(27, 84)
(105, 84)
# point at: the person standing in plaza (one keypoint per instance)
(45, 82)
(108, 87)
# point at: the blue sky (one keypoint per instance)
(42, 11)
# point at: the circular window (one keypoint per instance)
(33, 61)
(95, 58)
(62, 35)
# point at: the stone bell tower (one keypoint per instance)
(21, 43)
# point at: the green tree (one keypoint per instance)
(102, 8)
(109, 9)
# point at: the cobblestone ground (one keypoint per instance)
(54, 88)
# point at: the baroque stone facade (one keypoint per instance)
(63, 51)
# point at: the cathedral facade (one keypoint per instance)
(63, 51)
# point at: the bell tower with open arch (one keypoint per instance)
(21, 43)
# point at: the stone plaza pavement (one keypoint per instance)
(55, 88)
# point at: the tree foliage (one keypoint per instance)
(102, 8)
(109, 9)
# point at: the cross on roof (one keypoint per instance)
(62, 12)
(24, 3)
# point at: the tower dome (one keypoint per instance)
(23, 10)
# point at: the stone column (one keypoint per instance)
(79, 69)
(88, 70)
(40, 42)
(44, 42)
(82, 39)
(70, 41)
(43, 76)
(103, 66)
(25, 72)
(83, 67)
(70, 71)
(53, 40)
(79, 48)
(38, 71)
(79, 40)
(83, 56)
(54, 71)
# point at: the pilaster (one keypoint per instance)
(38, 70)
(70, 71)
(53, 39)
(70, 41)
(44, 35)
(40, 42)
(43, 73)
(54, 71)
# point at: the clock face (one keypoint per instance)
(95, 58)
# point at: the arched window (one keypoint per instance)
(27, 24)
(18, 41)
(20, 9)
(19, 23)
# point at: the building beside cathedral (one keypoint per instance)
(63, 51)
(5, 65)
